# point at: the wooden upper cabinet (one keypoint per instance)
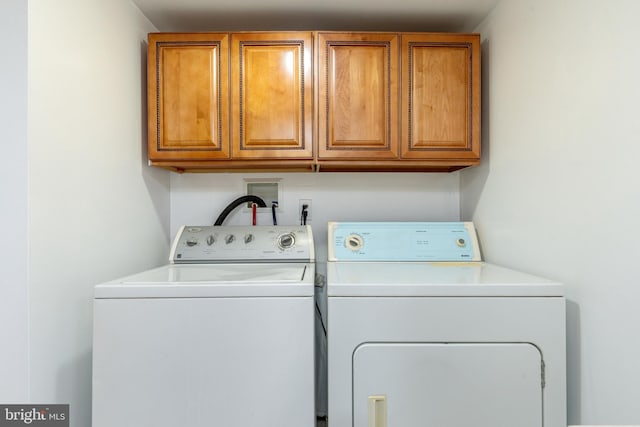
(188, 96)
(358, 95)
(272, 95)
(325, 101)
(441, 97)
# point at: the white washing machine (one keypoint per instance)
(222, 336)
(421, 332)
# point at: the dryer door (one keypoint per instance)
(451, 385)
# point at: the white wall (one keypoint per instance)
(198, 199)
(96, 210)
(561, 140)
(14, 313)
(558, 193)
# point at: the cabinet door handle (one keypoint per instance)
(377, 411)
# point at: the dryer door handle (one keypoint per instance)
(378, 411)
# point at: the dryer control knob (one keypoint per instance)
(229, 238)
(354, 242)
(211, 239)
(286, 241)
(248, 238)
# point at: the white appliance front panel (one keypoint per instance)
(452, 385)
(433, 279)
(232, 362)
(214, 280)
(354, 321)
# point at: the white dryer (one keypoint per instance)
(421, 332)
(222, 336)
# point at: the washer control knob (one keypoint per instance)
(354, 242)
(191, 241)
(211, 239)
(461, 242)
(248, 238)
(229, 238)
(286, 241)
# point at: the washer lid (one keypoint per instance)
(361, 279)
(219, 280)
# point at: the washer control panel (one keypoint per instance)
(403, 241)
(211, 244)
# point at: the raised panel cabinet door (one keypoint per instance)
(441, 96)
(188, 96)
(358, 95)
(272, 95)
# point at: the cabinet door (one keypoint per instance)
(188, 96)
(358, 95)
(441, 96)
(272, 95)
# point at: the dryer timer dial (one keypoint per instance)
(354, 242)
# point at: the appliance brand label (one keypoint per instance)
(34, 415)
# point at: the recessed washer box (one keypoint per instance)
(267, 189)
